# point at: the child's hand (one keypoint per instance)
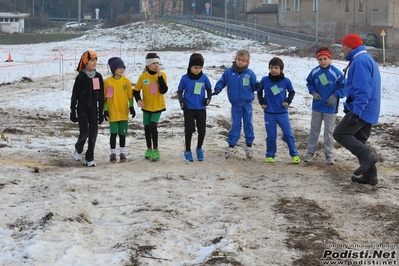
(140, 103)
(264, 106)
(285, 104)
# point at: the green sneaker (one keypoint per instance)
(270, 160)
(155, 155)
(295, 159)
(148, 154)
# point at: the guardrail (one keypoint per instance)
(254, 31)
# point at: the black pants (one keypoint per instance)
(192, 117)
(88, 128)
(354, 139)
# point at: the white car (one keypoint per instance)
(74, 25)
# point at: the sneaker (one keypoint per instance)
(230, 152)
(308, 157)
(269, 159)
(122, 157)
(200, 154)
(330, 160)
(112, 158)
(155, 155)
(295, 159)
(188, 156)
(90, 164)
(248, 152)
(148, 153)
(77, 156)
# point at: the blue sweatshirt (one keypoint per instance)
(326, 82)
(194, 91)
(240, 86)
(363, 86)
(274, 93)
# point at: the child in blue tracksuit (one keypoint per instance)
(241, 84)
(274, 100)
(194, 93)
(325, 83)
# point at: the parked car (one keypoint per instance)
(370, 39)
(74, 25)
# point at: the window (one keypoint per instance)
(360, 5)
(315, 5)
(284, 6)
(297, 4)
(346, 5)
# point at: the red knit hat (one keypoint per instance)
(352, 40)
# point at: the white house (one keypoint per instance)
(12, 22)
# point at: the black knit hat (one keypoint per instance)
(196, 60)
(115, 63)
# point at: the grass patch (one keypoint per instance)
(32, 38)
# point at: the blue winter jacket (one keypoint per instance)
(195, 91)
(363, 85)
(326, 82)
(274, 93)
(240, 86)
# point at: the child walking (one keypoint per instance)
(152, 84)
(325, 83)
(241, 84)
(194, 93)
(275, 97)
(118, 94)
(86, 106)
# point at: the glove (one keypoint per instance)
(206, 101)
(183, 105)
(316, 96)
(331, 100)
(106, 115)
(73, 116)
(215, 92)
(258, 86)
(132, 111)
(100, 118)
(353, 119)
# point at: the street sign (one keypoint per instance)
(193, 4)
(383, 33)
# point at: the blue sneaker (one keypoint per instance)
(200, 154)
(188, 156)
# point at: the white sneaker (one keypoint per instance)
(230, 152)
(248, 152)
(90, 164)
(77, 156)
(308, 157)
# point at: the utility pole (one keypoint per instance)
(79, 12)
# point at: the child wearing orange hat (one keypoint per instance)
(87, 101)
(325, 83)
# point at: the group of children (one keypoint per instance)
(94, 100)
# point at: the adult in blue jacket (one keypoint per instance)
(362, 107)
(241, 84)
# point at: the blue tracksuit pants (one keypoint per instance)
(283, 121)
(241, 113)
